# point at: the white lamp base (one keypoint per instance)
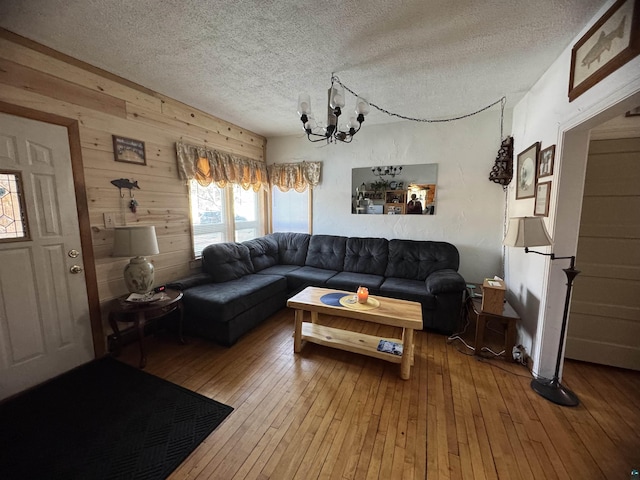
(138, 275)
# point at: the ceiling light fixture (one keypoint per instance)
(333, 132)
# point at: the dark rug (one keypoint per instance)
(103, 420)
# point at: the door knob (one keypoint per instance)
(74, 253)
(75, 269)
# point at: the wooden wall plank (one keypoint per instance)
(57, 66)
(31, 80)
(193, 116)
(142, 126)
(218, 140)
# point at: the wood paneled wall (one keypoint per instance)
(39, 78)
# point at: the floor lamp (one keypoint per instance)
(530, 232)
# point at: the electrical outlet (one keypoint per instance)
(520, 354)
(109, 220)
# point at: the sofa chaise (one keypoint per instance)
(242, 284)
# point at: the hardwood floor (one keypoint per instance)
(330, 414)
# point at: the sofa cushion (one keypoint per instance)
(350, 281)
(224, 301)
(190, 281)
(292, 247)
(263, 252)
(415, 260)
(226, 261)
(306, 276)
(406, 289)
(366, 255)
(326, 252)
(445, 281)
(281, 270)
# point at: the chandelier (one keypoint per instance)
(384, 171)
(333, 132)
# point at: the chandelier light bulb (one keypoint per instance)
(337, 96)
(310, 124)
(362, 104)
(304, 104)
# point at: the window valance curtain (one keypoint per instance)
(297, 176)
(206, 165)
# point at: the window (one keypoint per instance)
(13, 220)
(229, 214)
(291, 210)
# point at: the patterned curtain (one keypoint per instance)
(298, 176)
(206, 166)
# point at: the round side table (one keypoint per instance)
(120, 310)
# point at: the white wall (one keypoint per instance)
(470, 208)
(537, 285)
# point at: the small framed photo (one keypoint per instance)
(543, 196)
(527, 168)
(128, 150)
(610, 43)
(545, 162)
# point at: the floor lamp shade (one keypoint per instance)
(526, 232)
(136, 242)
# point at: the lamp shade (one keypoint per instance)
(526, 232)
(135, 241)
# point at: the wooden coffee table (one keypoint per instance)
(391, 311)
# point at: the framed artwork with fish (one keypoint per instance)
(610, 43)
(128, 150)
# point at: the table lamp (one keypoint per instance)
(136, 242)
(531, 232)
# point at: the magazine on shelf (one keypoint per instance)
(390, 347)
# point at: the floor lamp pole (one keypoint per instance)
(553, 390)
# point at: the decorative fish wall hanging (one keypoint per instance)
(126, 183)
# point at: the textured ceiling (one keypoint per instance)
(246, 61)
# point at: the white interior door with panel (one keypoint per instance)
(604, 326)
(45, 327)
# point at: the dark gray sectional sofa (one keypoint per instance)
(242, 284)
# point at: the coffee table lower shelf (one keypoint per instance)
(349, 341)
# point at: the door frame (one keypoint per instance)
(77, 168)
(572, 152)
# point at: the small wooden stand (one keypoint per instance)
(507, 318)
(139, 313)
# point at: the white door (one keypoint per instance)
(605, 309)
(45, 328)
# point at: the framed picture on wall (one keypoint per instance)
(545, 162)
(543, 196)
(128, 150)
(610, 43)
(527, 168)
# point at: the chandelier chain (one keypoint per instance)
(502, 101)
